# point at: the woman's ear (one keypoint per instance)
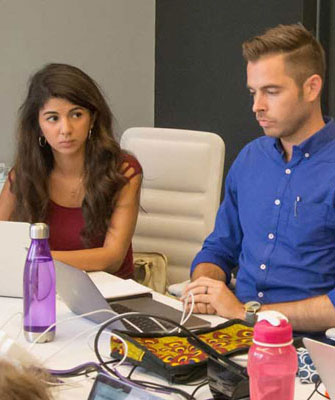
(312, 87)
(93, 119)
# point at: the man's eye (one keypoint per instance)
(252, 94)
(273, 92)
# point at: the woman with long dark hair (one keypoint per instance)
(70, 172)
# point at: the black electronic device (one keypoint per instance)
(228, 380)
(106, 387)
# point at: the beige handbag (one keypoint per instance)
(150, 269)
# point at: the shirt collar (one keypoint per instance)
(315, 142)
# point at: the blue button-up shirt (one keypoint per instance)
(277, 221)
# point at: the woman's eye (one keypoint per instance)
(52, 118)
(77, 114)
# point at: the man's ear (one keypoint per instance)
(312, 87)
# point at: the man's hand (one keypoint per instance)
(214, 297)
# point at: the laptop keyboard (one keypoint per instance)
(144, 323)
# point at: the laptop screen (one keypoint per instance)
(323, 357)
(14, 243)
(105, 388)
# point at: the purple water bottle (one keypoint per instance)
(39, 291)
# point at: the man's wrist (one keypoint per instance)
(241, 313)
(208, 270)
(250, 311)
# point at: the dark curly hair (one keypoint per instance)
(33, 164)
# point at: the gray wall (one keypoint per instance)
(111, 40)
(200, 81)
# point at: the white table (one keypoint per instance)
(79, 351)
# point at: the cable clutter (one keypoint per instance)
(192, 358)
(180, 357)
(176, 354)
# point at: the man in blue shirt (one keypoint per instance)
(277, 221)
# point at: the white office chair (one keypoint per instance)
(182, 179)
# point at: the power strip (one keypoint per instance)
(14, 351)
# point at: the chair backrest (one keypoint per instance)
(182, 179)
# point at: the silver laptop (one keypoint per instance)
(14, 242)
(323, 357)
(81, 295)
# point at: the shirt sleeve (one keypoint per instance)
(331, 296)
(132, 163)
(222, 247)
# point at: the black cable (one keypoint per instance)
(317, 384)
(317, 391)
(86, 373)
(196, 383)
(153, 386)
(168, 389)
(80, 370)
(75, 371)
(197, 388)
(131, 372)
(321, 394)
(312, 394)
(202, 345)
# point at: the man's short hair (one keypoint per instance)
(304, 55)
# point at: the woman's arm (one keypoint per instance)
(118, 238)
(7, 202)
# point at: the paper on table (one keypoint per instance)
(111, 286)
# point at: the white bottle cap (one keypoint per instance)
(273, 317)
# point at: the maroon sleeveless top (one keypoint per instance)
(66, 223)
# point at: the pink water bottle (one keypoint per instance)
(272, 360)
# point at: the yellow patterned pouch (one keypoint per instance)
(178, 358)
